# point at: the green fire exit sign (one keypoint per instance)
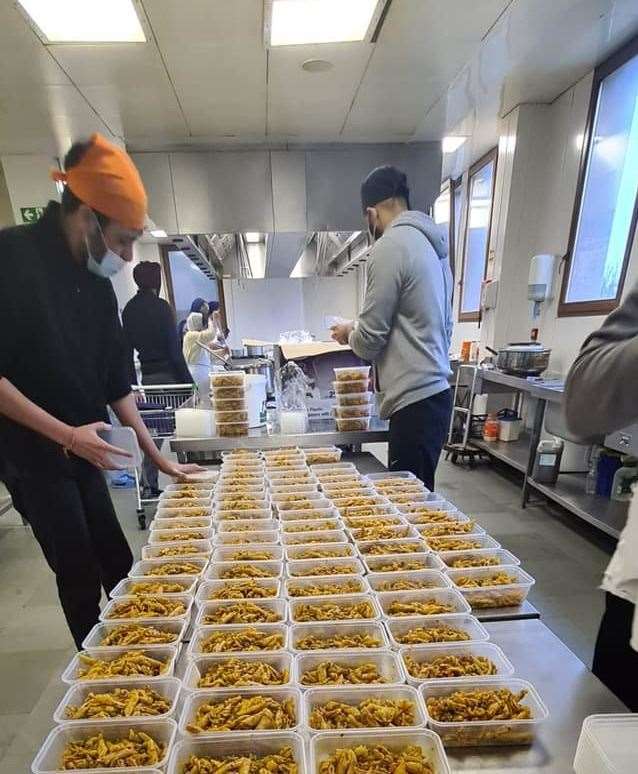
(31, 214)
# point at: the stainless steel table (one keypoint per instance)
(518, 613)
(569, 691)
(319, 433)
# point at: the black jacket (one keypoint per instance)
(149, 325)
(61, 342)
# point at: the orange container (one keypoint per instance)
(491, 429)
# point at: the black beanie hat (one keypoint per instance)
(384, 183)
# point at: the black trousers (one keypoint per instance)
(417, 434)
(615, 661)
(74, 522)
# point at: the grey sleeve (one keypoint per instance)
(600, 392)
(383, 288)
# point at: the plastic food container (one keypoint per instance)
(286, 501)
(390, 532)
(243, 465)
(276, 605)
(224, 502)
(297, 553)
(267, 537)
(239, 526)
(202, 633)
(168, 500)
(391, 547)
(187, 582)
(228, 491)
(202, 476)
(480, 540)
(220, 569)
(308, 514)
(300, 631)
(365, 511)
(239, 454)
(333, 580)
(375, 564)
(367, 497)
(197, 547)
(338, 468)
(297, 568)
(397, 627)
(434, 579)
(237, 743)
(204, 486)
(165, 653)
(500, 554)
(207, 589)
(224, 417)
(280, 489)
(241, 515)
(168, 688)
(48, 760)
(186, 524)
(489, 732)
(282, 452)
(277, 475)
(286, 463)
(353, 398)
(387, 663)
(183, 511)
(306, 538)
(231, 429)
(353, 424)
(161, 537)
(322, 455)
(343, 599)
(364, 522)
(199, 665)
(390, 475)
(352, 412)
(194, 700)
(348, 491)
(229, 553)
(354, 387)
(443, 530)
(348, 485)
(229, 404)
(507, 595)
(310, 525)
(427, 653)
(326, 743)
(227, 379)
(607, 745)
(185, 599)
(441, 596)
(352, 373)
(103, 628)
(316, 697)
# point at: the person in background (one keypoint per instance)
(53, 402)
(600, 398)
(198, 341)
(149, 326)
(200, 307)
(405, 325)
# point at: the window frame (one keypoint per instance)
(456, 184)
(598, 306)
(491, 155)
(448, 186)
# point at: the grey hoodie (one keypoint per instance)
(405, 326)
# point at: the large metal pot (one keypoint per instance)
(257, 350)
(526, 358)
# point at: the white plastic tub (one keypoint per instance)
(345, 599)
(300, 631)
(324, 745)
(354, 695)
(188, 524)
(431, 579)
(281, 490)
(198, 666)
(489, 732)
(392, 532)
(227, 489)
(48, 760)
(398, 627)
(376, 564)
(242, 743)
(186, 599)
(387, 663)
(307, 538)
(197, 547)
(364, 522)
(485, 597)
(221, 570)
(165, 653)
(103, 628)
(441, 596)
(266, 553)
(194, 700)
(236, 527)
(319, 502)
(323, 455)
(204, 486)
(207, 589)
(607, 745)
(225, 502)
(428, 653)
(295, 526)
(281, 476)
(368, 511)
(261, 538)
(275, 605)
(334, 467)
(446, 530)
(202, 633)
(500, 554)
(334, 581)
(163, 537)
(478, 540)
(125, 587)
(321, 567)
(337, 550)
(184, 511)
(304, 514)
(240, 515)
(391, 547)
(166, 501)
(169, 688)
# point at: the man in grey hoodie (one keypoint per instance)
(405, 325)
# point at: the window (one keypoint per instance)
(446, 211)
(477, 233)
(456, 212)
(605, 211)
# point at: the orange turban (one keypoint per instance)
(106, 179)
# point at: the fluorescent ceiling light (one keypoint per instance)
(452, 143)
(158, 233)
(252, 237)
(86, 21)
(294, 22)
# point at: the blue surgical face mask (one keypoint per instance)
(109, 264)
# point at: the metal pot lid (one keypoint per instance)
(525, 346)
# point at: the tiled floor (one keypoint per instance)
(566, 559)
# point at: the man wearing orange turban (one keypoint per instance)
(63, 360)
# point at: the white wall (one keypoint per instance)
(189, 283)
(28, 181)
(328, 296)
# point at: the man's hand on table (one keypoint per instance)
(178, 470)
(341, 332)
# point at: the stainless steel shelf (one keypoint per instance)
(569, 492)
(518, 613)
(514, 453)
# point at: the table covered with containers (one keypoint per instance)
(291, 615)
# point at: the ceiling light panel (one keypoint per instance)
(85, 21)
(298, 22)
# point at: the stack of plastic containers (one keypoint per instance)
(352, 409)
(607, 745)
(228, 393)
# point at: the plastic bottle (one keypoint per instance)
(592, 473)
(624, 479)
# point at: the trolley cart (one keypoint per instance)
(157, 404)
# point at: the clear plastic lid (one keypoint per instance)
(607, 745)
